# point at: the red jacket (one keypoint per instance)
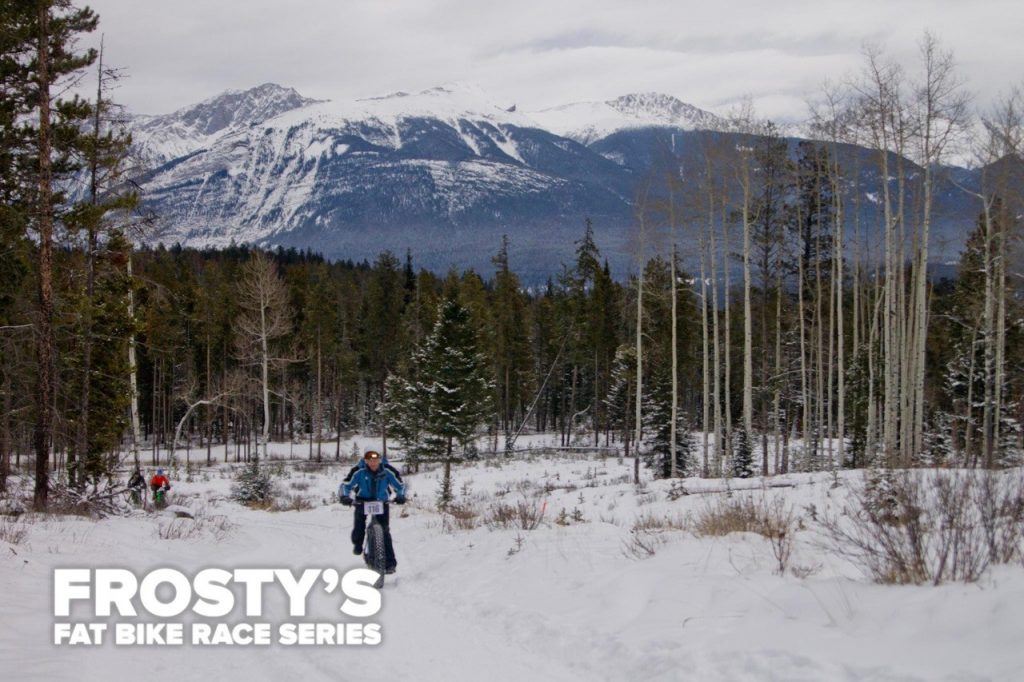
(159, 481)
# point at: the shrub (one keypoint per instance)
(915, 527)
(253, 485)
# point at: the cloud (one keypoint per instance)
(542, 52)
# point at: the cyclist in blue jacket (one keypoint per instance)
(372, 479)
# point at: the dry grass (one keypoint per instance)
(524, 515)
(290, 503)
(771, 518)
(642, 544)
(648, 533)
(218, 526)
(724, 515)
(460, 517)
(13, 532)
(649, 522)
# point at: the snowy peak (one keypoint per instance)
(656, 106)
(240, 107)
(449, 122)
(587, 122)
(162, 138)
(450, 102)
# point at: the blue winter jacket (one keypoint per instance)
(371, 485)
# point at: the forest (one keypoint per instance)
(762, 330)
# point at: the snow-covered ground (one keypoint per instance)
(571, 600)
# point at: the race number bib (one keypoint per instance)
(373, 508)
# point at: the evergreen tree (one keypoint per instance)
(253, 484)
(43, 136)
(449, 393)
(658, 420)
(619, 400)
(453, 379)
(511, 343)
(104, 155)
(404, 414)
(106, 327)
(381, 337)
(742, 455)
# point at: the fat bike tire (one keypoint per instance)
(376, 558)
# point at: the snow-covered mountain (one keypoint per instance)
(160, 139)
(445, 172)
(588, 122)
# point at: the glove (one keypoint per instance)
(400, 499)
(346, 500)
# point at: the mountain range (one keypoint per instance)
(443, 172)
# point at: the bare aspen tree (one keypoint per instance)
(264, 318)
(805, 418)
(641, 257)
(748, 343)
(709, 280)
(1007, 123)
(716, 353)
(879, 99)
(1003, 131)
(133, 369)
(727, 334)
(829, 122)
(744, 122)
(940, 111)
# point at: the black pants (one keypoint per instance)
(359, 531)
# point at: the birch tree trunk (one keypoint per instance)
(133, 369)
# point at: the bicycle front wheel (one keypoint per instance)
(376, 557)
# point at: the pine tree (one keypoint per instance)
(619, 400)
(511, 343)
(102, 357)
(742, 455)
(404, 415)
(449, 393)
(108, 326)
(658, 423)
(381, 333)
(40, 61)
(253, 484)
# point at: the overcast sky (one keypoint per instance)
(539, 53)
